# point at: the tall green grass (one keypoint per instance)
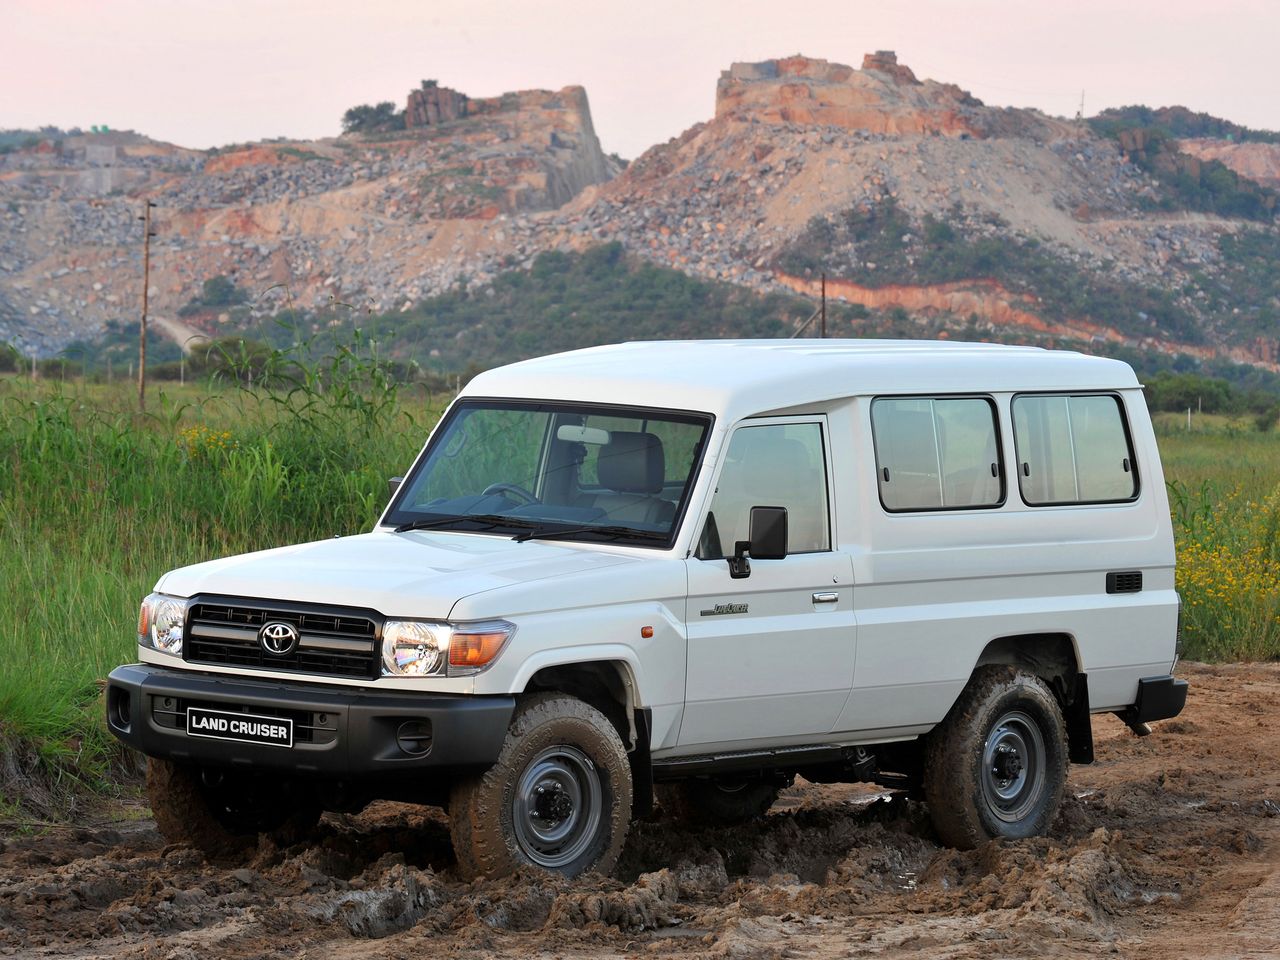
(96, 501)
(1224, 494)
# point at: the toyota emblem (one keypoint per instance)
(277, 638)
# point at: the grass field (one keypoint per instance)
(97, 500)
(1224, 494)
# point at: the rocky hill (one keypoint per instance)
(798, 147)
(383, 220)
(915, 199)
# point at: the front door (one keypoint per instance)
(770, 655)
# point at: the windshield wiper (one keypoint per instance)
(490, 520)
(610, 532)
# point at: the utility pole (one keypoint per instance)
(142, 332)
(824, 306)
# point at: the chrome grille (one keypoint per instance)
(333, 641)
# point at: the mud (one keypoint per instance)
(1167, 846)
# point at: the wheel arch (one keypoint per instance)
(1055, 659)
(608, 685)
(1050, 656)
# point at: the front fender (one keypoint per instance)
(588, 653)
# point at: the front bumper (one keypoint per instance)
(339, 731)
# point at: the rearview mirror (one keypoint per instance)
(393, 484)
(572, 433)
(768, 532)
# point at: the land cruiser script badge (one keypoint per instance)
(277, 638)
(724, 609)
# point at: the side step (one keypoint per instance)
(746, 761)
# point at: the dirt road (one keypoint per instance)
(1167, 846)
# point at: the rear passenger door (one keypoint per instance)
(771, 655)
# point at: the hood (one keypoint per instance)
(417, 574)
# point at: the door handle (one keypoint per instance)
(826, 597)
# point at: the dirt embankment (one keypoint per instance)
(1168, 846)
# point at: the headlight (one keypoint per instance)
(417, 648)
(160, 623)
(411, 648)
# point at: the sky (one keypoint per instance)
(204, 73)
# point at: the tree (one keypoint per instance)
(372, 119)
(221, 291)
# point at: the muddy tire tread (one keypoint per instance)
(951, 784)
(479, 807)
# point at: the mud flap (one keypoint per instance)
(1079, 723)
(641, 767)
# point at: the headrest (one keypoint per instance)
(631, 463)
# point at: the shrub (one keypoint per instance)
(372, 119)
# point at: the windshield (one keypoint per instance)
(568, 471)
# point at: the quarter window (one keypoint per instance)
(937, 453)
(1073, 449)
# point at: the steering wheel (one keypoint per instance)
(517, 491)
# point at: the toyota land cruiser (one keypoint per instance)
(695, 568)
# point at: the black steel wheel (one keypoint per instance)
(558, 798)
(997, 764)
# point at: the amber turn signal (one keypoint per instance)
(646, 632)
(474, 649)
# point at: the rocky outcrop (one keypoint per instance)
(1259, 162)
(883, 97)
(431, 105)
(525, 151)
(886, 61)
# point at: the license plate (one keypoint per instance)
(241, 727)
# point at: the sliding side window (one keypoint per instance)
(1073, 449)
(937, 453)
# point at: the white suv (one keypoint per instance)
(701, 567)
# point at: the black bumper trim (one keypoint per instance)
(1159, 698)
(361, 728)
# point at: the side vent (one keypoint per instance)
(1128, 581)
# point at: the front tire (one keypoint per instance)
(997, 764)
(558, 798)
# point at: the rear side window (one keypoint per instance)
(1073, 449)
(937, 453)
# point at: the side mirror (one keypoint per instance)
(393, 484)
(768, 541)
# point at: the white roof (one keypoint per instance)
(738, 378)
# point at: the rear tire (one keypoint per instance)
(221, 814)
(723, 801)
(558, 798)
(997, 764)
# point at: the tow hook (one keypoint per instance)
(1139, 728)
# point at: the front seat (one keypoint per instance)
(631, 467)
